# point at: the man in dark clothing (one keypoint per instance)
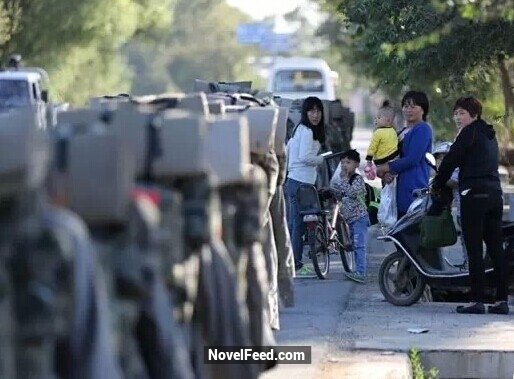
(475, 152)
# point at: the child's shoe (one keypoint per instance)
(304, 271)
(356, 277)
(370, 171)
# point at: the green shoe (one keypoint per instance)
(356, 277)
(304, 271)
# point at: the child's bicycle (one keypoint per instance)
(327, 231)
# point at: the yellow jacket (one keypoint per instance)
(383, 146)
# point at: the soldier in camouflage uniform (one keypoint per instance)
(282, 238)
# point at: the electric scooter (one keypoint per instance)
(405, 273)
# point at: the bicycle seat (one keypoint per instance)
(326, 194)
(308, 200)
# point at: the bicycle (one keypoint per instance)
(327, 231)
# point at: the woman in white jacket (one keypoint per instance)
(303, 159)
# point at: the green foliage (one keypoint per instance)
(154, 19)
(96, 47)
(149, 67)
(9, 21)
(203, 44)
(200, 45)
(445, 48)
(78, 41)
(418, 370)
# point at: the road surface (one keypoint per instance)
(314, 321)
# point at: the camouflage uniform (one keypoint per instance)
(282, 239)
(269, 163)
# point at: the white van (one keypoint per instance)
(300, 77)
(25, 87)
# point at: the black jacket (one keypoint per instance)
(476, 153)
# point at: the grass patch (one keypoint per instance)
(418, 371)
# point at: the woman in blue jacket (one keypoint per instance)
(412, 170)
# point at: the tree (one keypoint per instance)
(78, 41)
(203, 44)
(445, 48)
(148, 64)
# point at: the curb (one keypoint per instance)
(459, 346)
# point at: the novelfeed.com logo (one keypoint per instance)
(245, 354)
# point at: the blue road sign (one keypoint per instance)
(253, 32)
(276, 43)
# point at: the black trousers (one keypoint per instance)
(481, 215)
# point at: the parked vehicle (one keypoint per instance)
(26, 87)
(301, 77)
(405, 273)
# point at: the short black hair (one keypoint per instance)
(352, 155)
(417, 98)
(470, 104)
(386, 110)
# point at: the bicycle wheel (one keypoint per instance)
(318, 251)
(346, 251)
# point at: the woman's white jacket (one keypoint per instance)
(302, 155)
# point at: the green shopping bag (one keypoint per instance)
(438, 231)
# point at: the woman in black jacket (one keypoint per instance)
(476, 153)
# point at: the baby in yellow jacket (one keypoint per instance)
(384, 143)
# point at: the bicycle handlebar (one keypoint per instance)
(333, 155)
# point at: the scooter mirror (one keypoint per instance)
(430, 159)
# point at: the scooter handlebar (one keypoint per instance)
(420, 192)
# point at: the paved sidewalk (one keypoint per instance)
(460, 346)
(318, 321)
(355, 333)
(313, 321)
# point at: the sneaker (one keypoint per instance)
(356, 277)
(501, 308)
(304, 271)
(476, 309)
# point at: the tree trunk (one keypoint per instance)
(508, 93)
(506, 149)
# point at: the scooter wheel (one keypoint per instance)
(400, 288)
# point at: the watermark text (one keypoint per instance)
(245, 354)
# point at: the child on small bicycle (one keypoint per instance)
(350, 187)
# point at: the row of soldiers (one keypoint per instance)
(140, 230)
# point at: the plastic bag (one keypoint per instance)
(387, 211)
